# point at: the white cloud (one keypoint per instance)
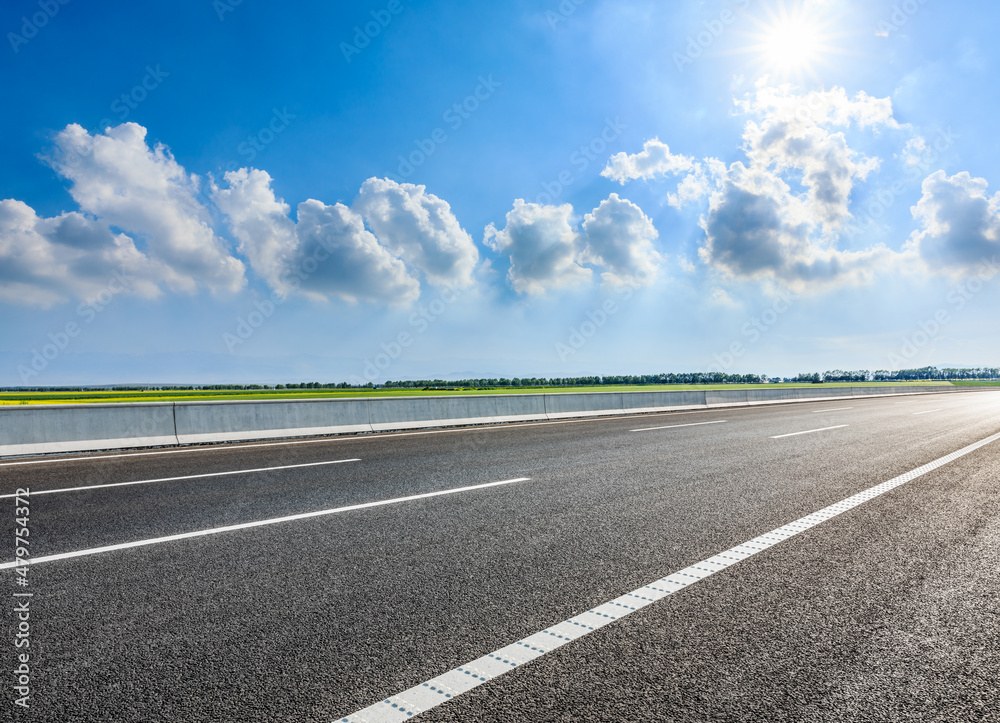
(44, 261)
(420, 228)
(542, 245)
(778, 216)
(781, 104)
(144, 214)
(547, 251)
(916, 151)
(329, 252)
(339, 257)
(960, 222)
(756, 228)
(260, 222)
(619, 237)
(721, 297)
(146, 193)
(654, 160)
(795, 134)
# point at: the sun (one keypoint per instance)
(791, 43)
(791, 46)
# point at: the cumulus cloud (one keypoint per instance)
(757, 229)
(260, 222)
(349, 261)
(143, 191)
(328, 252)
(142, 213)
(542, 245)
(420, 228)
(654, 160)
(619, 237)
(796, 134)
(779, 214)
(960, 222)
(781, 104)
(44, 261)
(548, 251)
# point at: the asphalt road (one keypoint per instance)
(887, 612)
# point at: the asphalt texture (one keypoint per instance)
(889, 612)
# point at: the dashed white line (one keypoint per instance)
(185, 477)
(434, 692)
(678, 426)
(838, 409)
(259, 523)
(810, 431)
(929, 411)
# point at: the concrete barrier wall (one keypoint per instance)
(727, 398)
(596, 404)
(39, 429)
(36, 429)
(238, 421)
(644, 402)
(417, 412)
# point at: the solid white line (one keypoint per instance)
(811, 431)
(838, 409)
(190, 476)
(678, 426)
(929, 411)
(260, 523)
(434, 692)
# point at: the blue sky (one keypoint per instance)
(197, 192)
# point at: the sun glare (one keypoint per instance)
(791, 43)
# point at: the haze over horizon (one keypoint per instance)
(234, 192)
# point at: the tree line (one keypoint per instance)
(835, 375)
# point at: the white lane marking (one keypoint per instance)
(259, 523)
(678, 426)
(929, 411)
(434, 692)
(810, 431)
(838, 409)
(190, 476)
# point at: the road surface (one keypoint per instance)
(313, 580)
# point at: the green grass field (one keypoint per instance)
(14, 398)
